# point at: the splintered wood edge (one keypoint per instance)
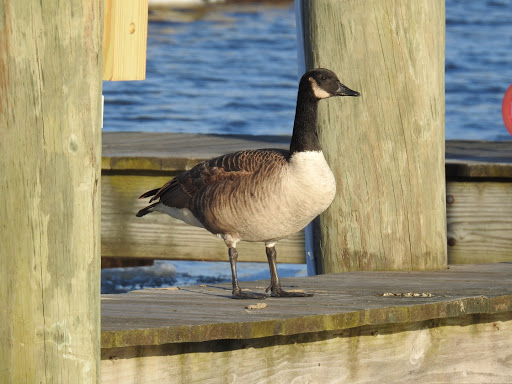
(306, 324)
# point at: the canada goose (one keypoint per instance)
(261, 195)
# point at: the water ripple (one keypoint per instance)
(233, 69)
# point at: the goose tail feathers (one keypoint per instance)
(153, 192)
(145, 211)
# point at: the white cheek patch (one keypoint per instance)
(318, 91)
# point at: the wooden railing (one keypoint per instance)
(479, 199)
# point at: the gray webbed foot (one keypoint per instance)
(247, 295)
(281, 293)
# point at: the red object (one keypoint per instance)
(506, 109)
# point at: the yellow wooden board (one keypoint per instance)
(125, 39)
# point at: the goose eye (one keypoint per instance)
(324, 78)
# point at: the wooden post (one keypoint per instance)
(386, 148)
(50, 157)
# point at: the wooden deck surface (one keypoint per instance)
(171, 151)
(341, 301)
(478, 159)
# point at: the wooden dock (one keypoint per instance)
(479, 198)
(458, 329)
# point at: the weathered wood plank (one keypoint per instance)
(197, 314)
(465, 349)
(386, 148)
(147, 161)
(463, 158)
(479, 221)
(134, 162)
(478, 159)
(142, 147)
(50, 152)
(347, 331)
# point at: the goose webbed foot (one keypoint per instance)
(279, 292)
(247, 295)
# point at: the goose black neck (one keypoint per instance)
(305, 136)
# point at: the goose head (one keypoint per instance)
(321, 83)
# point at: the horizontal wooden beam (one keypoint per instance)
(460, 350)
(151, 151)
(479, 216)
(479, 196)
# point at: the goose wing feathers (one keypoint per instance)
(180, 191)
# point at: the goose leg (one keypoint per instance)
(237, 292)
(275, 284)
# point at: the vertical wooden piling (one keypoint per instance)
(50, 157)
(386, 148)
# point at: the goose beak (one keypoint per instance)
(345, 91)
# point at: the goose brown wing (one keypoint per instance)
(180, 191)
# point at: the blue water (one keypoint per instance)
(233, 69)
(478, 67)
(165, 273)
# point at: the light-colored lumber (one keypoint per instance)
(50, 158)
(479, 216)
(125, 39)
(386, 148)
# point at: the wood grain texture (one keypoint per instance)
(172, 151)
(125, 39)
(158, 151)
(478, 159)
(347, 332)
(341, 301)
(479, 216)
(134, 162)
(50, 157)
(386, 148)
(459, 350)
(159, 236)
